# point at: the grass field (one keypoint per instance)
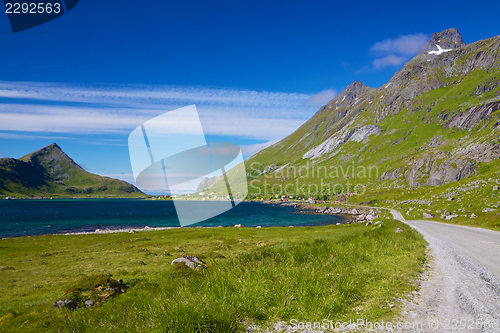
(255, 276)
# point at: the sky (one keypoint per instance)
(255, 70)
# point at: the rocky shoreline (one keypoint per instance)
(353, 215)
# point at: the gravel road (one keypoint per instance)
(460, 292)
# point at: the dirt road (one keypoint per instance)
(461, 290)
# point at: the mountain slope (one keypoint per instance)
(50, 172)
(434, 123)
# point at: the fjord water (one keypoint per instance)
(40, 217)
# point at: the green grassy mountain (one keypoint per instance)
(426, 141)
(49, 172)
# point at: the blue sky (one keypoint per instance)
(255, 70)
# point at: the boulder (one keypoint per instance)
(361, 218)
(64, 303)
(368, 223)
(89, 303)
(472, 216)
(378, 222)
(449, 217)
(189, 261)
(445, 214)
(487, 209)
(428, 215)
(398, 229)
(495, 188)
(238, 226)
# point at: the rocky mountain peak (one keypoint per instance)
(443, 41)
(357, 87)
(50, 156)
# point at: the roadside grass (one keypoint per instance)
(255, 276)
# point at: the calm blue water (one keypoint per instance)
(40, 217)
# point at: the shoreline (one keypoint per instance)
(300, 207)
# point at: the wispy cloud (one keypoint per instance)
(249, 150)
(395, 51)
(24, 136)
(320, 98)
(390, 60)
(132, 96)
(105, 109)
(404, 44)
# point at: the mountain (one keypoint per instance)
(206, 183)
(433, 127)
(50, 172)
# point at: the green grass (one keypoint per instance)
(254, 276)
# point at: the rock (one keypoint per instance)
(392, 175)
(378, 222)
(445, 213)
(439, 211)
(258, 227)
(64, 303)
(338, 224)
(364, 132)
(449, 217)
(398, 229)
(487, 209)
(361, 218)
(189, 261)
(447, 39)
(472, 216)
(439, 169)
(238, 226)
(428, 215)
(369, 217)
(495, 188)
(470, 117)
(89, 303)
(368, 223)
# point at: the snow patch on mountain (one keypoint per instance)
(439, 50)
